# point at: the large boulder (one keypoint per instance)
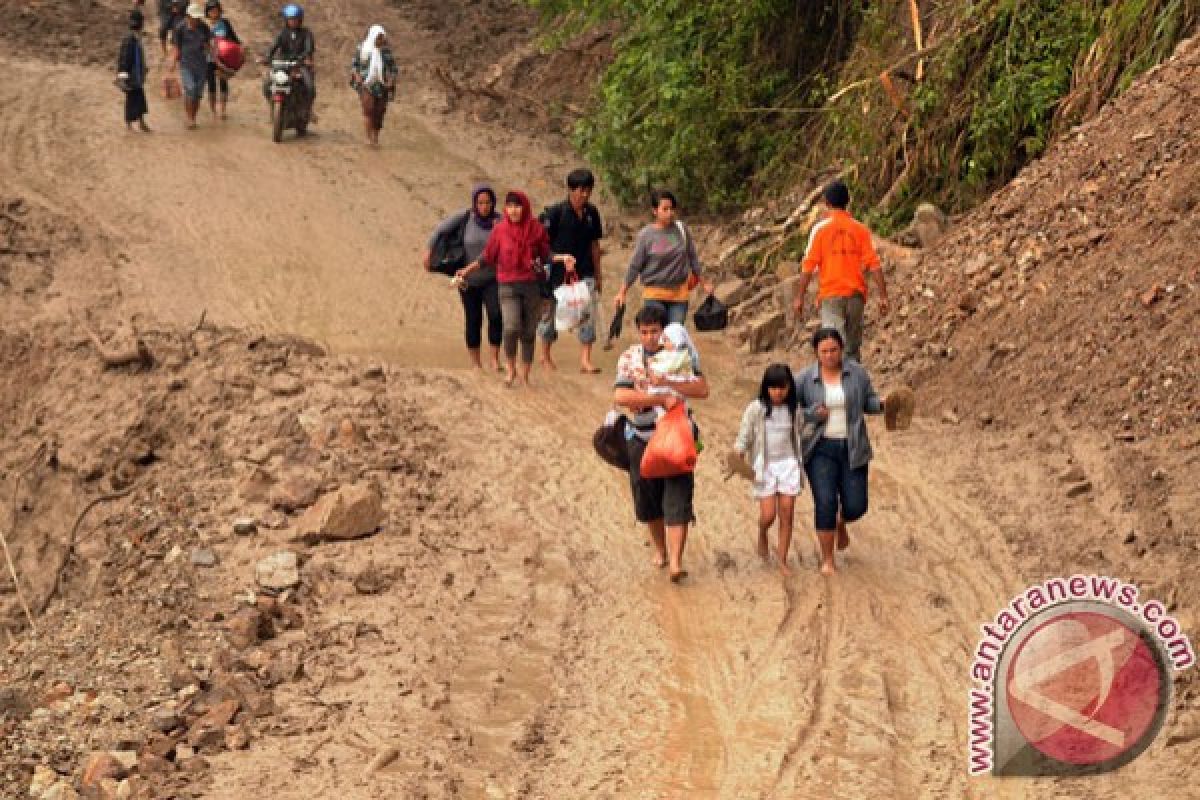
(733, 291)
(764, 330)
(349, 513)
(930, 224)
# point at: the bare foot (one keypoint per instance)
(510, 379)
(659, 561)
(843, 536)
(764, 549)
(784, 569)
(678, 575)
(828, 570)
(143, 127)
(548, 363)
(589, 369)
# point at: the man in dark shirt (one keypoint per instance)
(574, 227)
(170, 14)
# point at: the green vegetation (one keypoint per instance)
(721, 100)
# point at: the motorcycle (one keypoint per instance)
(291, 105)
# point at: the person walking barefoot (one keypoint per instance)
(835, 393)
(769, 441)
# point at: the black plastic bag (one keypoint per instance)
(712, 315)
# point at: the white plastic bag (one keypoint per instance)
(572, 305)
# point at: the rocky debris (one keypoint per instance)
(245, 526)
(278, 572)
(949, 417)
(350, 512)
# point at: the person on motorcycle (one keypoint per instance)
(295, 43)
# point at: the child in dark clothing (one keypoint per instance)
(131, 73)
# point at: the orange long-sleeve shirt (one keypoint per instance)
(840, 251)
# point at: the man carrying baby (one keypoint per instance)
(664, 505)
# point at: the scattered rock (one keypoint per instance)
(248, 626)
(165, 720)
(1073, 474)
(373, 372)
(297, 490)
(61, 791)
(949, 417)
(245, 526)
(207, 734)
(733, 291)
(203, 557)
(278, 572)
(1151, 295)
(1159, 474)
(236, 738)
(1077, 489)
(349, 513)
(14, 702)
(898, 409)
(97, 767)
(286, 385)
(43, 779)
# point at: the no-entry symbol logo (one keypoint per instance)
(1071, 686)
(1084, 688)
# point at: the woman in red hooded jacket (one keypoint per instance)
(518, 250)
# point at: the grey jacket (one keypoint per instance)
(663, 257)
(752, 436)
(860, 399)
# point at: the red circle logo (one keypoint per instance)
(1083, 688)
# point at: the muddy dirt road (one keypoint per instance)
(569, 668)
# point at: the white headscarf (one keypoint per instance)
(369, 52)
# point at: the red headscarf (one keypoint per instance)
(511, 249)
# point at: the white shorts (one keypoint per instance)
(780, 477)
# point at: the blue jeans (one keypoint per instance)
(676, 312)
(834, 485)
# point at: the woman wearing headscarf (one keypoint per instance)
(131, 73)
(373, 74)
(518, 250)
(478, 291)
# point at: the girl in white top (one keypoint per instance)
(769, 441)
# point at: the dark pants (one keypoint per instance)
(135, 104)
(668, 499)
(521, 308)
(835, 486)
(476, 300)
(214, 81)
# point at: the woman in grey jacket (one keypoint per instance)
(769, 442)
(835, 394)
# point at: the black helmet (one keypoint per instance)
(209, 5)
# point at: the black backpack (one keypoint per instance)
(712, 315)
(449, 253)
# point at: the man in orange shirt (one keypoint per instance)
(840, 251)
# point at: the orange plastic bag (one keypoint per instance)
(170, 87)
(671, 450)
